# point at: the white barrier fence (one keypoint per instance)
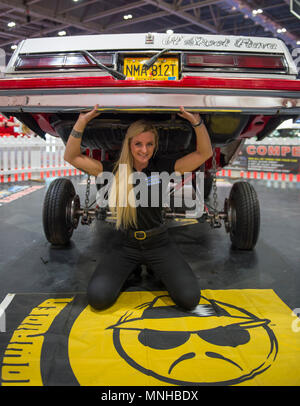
(242, 174)
(26, 158)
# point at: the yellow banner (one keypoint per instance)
(233, 337)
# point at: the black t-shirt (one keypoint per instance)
(149, 205)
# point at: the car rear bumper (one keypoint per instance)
(203, 94)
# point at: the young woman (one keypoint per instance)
(143, 236)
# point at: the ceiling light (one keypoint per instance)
(283, 30)
(61, 33)
(14, 46)
(11, 24)
(127, 17)
(298, 42)
(170, 32)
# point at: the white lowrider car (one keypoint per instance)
(242, 86)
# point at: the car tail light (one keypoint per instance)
(209, 60)
(260, 62)
(40, 62)
(62, 61)
(234, 61)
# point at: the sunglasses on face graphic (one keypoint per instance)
(161, 328)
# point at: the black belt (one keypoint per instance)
(142, 235)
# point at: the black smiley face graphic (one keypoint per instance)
(202, 347)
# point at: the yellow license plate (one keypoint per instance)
(163, 69)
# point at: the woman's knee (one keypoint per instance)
(186, 294)
(183, 287)
(100, 298)
(188, 299)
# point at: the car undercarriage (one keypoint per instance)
(241, 87)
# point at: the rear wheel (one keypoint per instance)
(59, 211)
(243, 214)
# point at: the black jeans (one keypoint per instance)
(163, 258)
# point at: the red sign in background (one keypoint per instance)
(269, 158)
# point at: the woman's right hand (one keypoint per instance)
(86, 117)
(73, 153)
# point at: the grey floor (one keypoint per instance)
(28, 264)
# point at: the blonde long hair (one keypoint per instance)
(121, 187)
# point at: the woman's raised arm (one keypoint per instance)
(203, 151)
(73, 153)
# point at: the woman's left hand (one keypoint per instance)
(193, 118)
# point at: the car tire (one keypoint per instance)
(60, 205)
(243, 213)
